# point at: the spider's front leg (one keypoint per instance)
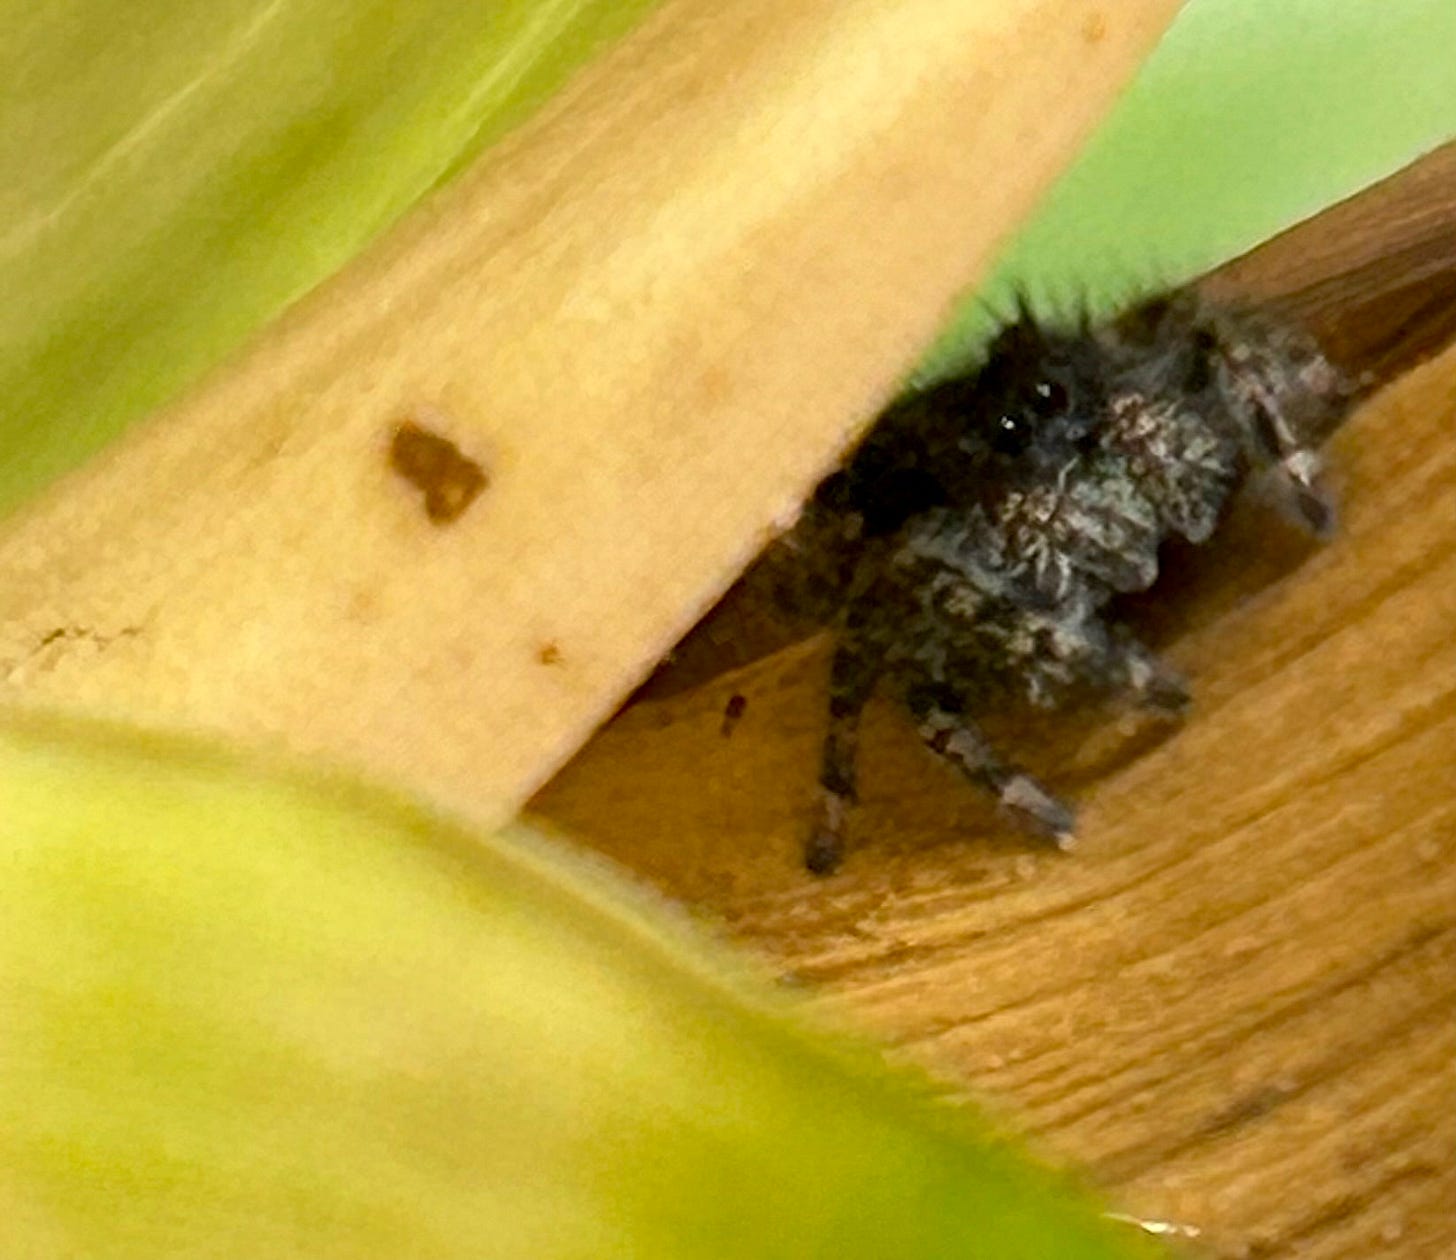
(950, 734)
(852, 676)
(1076, 648)
(1122, 664)
(1288, 398)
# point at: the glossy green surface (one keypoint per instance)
(249, 1016)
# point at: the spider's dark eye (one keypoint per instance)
(1051, 398)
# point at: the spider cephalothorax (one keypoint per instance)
(973, 540)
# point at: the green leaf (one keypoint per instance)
(1250, 117)
(251, 1016)
(173, 174)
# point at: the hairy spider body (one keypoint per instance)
(969, 547)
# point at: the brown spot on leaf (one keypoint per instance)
(449, 480)
(715, 385)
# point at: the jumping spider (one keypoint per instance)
(971, 544)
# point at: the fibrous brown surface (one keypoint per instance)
(1236, 1002)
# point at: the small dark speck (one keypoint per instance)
(1094, 28)
(732, 711)
(549, 654)
(1251, 1107)
(68, 634)
(449, 480)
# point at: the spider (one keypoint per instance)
(968, 549)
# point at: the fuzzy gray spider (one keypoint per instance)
(971, 544)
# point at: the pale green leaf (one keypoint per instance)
(250, 1016)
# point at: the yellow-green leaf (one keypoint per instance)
(250, 1016)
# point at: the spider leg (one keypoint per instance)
(1307, 495)
(1084, 649)
(852, 676)
(1133, 668)
(1290, 397)
(948, 733)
